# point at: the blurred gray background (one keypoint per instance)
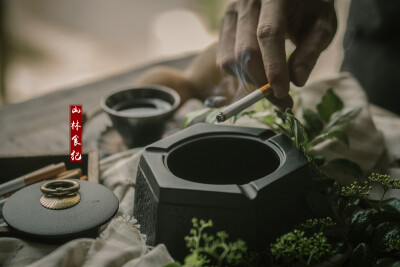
(48, 45)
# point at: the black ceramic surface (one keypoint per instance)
(249, 181)
(139, 114)
(24, 213)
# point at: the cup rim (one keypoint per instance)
(162, 88)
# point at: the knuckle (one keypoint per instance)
(226, 63)
(273, 72)
(265, 31)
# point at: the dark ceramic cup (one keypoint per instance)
(139, 114)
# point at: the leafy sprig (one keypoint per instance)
(318, 223)
(356, 190)
(372, 229)
(386, 182)
(394, 244)
(207, 250)
(295, 247)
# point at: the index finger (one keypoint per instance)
(271, 33)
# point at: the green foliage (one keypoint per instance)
(394, 244)
(359, 222)
(372, 229)
(385, 181)
(383, 236)
(210, 250)
(318, 223)
(387, 262)
(362, 256)
(330, 104)
(313, 122)
(341, 119)
(295, 247)
(356, 190)
(345, 166)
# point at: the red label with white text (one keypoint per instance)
(75, 133)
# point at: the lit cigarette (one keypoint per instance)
(31, 178)
(245, 102)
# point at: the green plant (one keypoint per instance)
(315, 223)
(394, 244)
(210, 250)
(295, 247)
(356, 190)
(386, 182)
(369, 229)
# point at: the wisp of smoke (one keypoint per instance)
(238, 88)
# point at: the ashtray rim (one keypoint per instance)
(270, 147)
(165, 185)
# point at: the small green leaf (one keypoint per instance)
(281, 115)
(301, 132)
(313, 121)
(385, 216)
(269, 120)
(191, 116)
(342, 119)
(339, 135)
(346, 166)
(387, 262)
(330, 104)
(283, 130)
(348, 207)
(391, 205)
(384, 232)
(242, 114)
(359, 222)
(361, 256)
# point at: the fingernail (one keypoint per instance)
(302, 75)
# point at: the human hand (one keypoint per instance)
(252, 42)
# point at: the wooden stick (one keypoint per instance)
(70, 174)
(32, 177)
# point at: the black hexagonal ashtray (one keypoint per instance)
(249, 181)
